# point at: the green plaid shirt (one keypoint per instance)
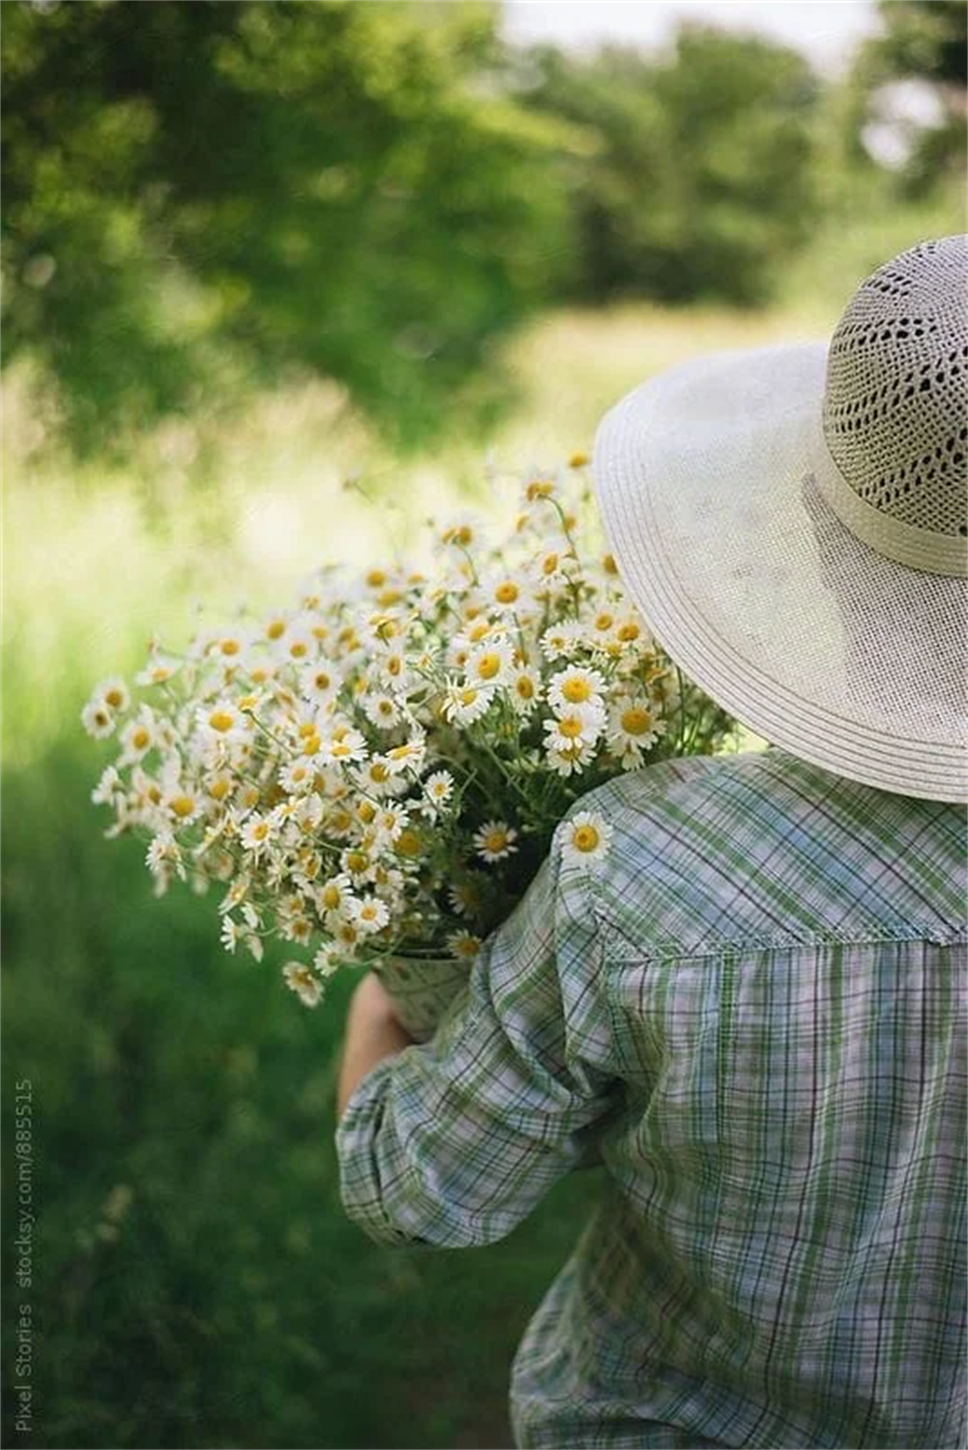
(755, 1017)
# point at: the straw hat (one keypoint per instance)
(792, 523)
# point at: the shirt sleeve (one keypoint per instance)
(453, 1142)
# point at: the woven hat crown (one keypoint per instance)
(895, 411)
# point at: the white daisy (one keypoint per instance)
(578, 725)
(230, 933)
(108, 787)
(98, 719)
(465, 704)
(223, 721)
(438, 789)
(524, 691)
(334, 897)
(389, 823)
(576, 685)
(586, 837)
(374, 777)
(320, 682)
(560, 641)
(114, 694)
(570, 760)
(490, 663)
(344, 745)
(633, 726)
(164, 855)
(297, 777)
(327, 960)
(139, 736)
(369, 914)
(257, 833)
(158, 670)
(301, 980)
(464, 944)
(381, 709)
(408, 757)
(495, 840)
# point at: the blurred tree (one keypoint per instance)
(206, 196)
(696, 178)
(909, 86)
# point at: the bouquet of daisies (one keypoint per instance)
(374, 775)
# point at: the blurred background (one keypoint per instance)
(278, 277)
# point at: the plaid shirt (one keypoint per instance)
(755, 1017)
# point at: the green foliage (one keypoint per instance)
(924, 41)
(925, 38)
(206, 197)
(696, 177)
(195, 1280)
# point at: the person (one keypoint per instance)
(753, 1013)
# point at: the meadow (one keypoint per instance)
(194, 1282)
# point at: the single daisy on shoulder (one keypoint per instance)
(586, 838)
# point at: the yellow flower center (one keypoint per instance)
(550, 563)
(298, 649)
(585, 838)
(636, 721)
(496, 840)
(219, 789)
(401, 752)
(376, 578)
(260, 830)
(570, 727)
(366, 812)
(525, 687)
(221, 720)
(609, 564)
(160, 673)
(322, 680)
(539, 488)
(330, 897)
(379, 772)
(488, 665)
(114, 698)
(140, 738)
(388, 597)
(462, 535)
(578, 460)
(629, 631)
(229, 646)
(408, 844)
(507, 592)
(276, 629)
(604, 621)
(357, 862)
(182, 805)
(577, 690)
(311, 744)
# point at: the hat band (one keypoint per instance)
(904, 543)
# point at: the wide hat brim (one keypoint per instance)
(712, 481)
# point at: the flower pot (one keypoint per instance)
(422, 988)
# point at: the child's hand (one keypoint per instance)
(372, 1035)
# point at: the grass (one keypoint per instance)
(196, 1282)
